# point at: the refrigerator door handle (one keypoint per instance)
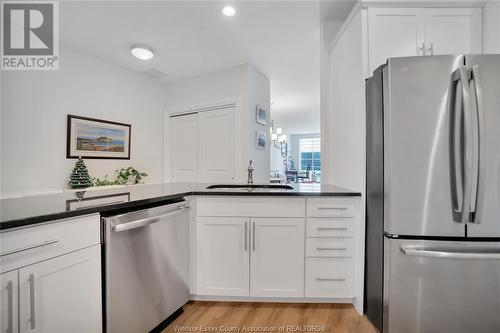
(460, 148)
(461, 189)
(446, 254)
(481, 145)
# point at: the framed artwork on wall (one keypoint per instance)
(97, 138)
(260, 140)
(261, 115)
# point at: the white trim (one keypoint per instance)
(272, 299)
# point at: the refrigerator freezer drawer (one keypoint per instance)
(441, 286)
(329, 277)
(330, 247)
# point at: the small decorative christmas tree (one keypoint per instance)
(79, 177)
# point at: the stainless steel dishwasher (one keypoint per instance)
(146, 267)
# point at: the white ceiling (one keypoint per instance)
(280, 38)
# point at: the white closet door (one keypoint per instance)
(184, 148)
(452, 30)
(216, 146)
(394, 32)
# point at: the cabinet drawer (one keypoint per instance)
(341, 227)
(329, 278)
(249, 206)
(32, 244)
(331, 207)
(329, 247)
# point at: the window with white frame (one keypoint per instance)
(310, 153)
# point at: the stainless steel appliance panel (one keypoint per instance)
(485, 86)
(438, 286)
(147, 267)
(417, 186)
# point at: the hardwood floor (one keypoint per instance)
(269, 317)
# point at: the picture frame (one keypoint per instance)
(260, 140)
(261, 115)
(93, 138)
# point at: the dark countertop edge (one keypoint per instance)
(23, 222)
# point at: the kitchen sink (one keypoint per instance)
(250, 187)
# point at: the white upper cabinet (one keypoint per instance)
(402, 32)
(277, 257)
(216, 144)
(452, 30)
(394, 32)
(183, 147)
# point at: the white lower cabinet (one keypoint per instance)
(277, 257)
(51, 278)
(62, 294)
(329, 277)
(9, 302)
(222, 260)
(258, 257)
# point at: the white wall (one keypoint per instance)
(343, 115)
(33, 126)
(248, 87)
(491, 27)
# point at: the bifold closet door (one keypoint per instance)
(184, 148)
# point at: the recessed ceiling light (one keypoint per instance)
(142, 52)
(228, 11)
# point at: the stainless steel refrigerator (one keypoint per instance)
(433, 195)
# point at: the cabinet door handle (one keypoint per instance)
(253, 236)
(330, 279)
(10, 306)
(32, 300)
(331, 248)
(431, 49)
(29, 247)
(246, 236)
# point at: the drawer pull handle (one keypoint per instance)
(32, 300)
(10, 313)
(29, 247)
(338, 228)
(338, 208)
(331, 248)
(330, 279)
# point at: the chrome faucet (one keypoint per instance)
(250, 173)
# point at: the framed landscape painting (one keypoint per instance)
(96, 138)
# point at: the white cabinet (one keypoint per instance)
(183, 147)
(216, 144)
(51, 277)
(222, 257)
(394, 32)
(201, 146)
(257, 255)
(62, 294)
(277, 257)
(399, 32)
(452, 30)
(9, 304)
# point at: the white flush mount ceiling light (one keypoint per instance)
(142, 52)
(228, 11)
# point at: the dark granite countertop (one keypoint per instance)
(23, 211)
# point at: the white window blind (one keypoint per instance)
(310, 153)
